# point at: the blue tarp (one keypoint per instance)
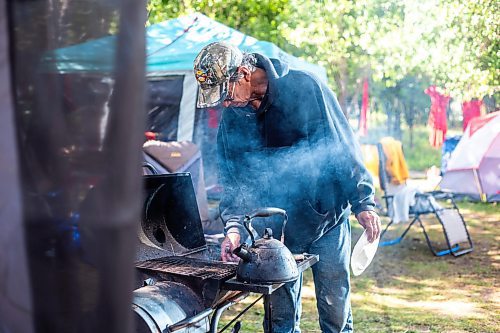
(449, 145)
(171, 46)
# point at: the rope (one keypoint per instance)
(186, 30)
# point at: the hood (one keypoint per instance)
(275, 69)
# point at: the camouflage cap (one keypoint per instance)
(213, 67)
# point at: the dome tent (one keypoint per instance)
(474, 166)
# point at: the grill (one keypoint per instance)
(192, 267)
(214, 281)
(178, 288)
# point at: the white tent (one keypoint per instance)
(474, 166)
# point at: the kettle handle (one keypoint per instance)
(264, 212)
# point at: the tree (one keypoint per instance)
(337, 35)
(454, 43)
(259, 19)
(450, 43)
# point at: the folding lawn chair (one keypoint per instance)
(446, 212)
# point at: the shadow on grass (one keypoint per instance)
(407, 289)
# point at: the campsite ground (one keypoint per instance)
(407, 289)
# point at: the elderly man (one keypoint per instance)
(284, 142)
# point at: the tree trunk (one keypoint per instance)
(388, 112)
(411, 136)
(342, 84)
(397, 119)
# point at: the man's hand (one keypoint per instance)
(371, 222)
(229, 243)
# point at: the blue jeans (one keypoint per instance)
(332, 286)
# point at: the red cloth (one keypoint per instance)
(471, 109)
(363, 129)
(150, 136)
(437, 116)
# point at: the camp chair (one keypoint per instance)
(446, 212)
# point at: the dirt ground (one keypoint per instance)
(407, 289)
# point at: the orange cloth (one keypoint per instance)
(395, 160)
(370, 158)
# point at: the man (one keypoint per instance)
(284, 142)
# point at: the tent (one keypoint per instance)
(171, 48)
(474, 166)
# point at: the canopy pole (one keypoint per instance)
(482, 195)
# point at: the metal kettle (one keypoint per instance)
(266, 260)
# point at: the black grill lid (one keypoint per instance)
(171, 219)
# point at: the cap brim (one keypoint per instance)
(211, 96)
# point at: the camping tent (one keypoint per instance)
(474, 165)
(171, 48)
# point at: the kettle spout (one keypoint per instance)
(242, 252)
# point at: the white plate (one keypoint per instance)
(362, 254)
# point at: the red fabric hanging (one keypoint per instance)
(363, 128)
(437, 116)
(471, 109)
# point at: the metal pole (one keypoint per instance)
(482, 196)
(268, 313)
(215, 319)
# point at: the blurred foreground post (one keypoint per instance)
(79, 137)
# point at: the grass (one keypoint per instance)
(420, 156)
(406, 289)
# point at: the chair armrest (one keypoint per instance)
(440, 194)
(150, 167)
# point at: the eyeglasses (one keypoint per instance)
(233, 79)
(230, 91)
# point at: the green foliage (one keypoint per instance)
(259, 19)
(161, 10)
(402, 46)
(465, 47)
(406, 100)
(420, 156)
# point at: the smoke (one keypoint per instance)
(293, 177)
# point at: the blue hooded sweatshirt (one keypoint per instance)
(296, 152)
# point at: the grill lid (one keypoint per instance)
(171, 220)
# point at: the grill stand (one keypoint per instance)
(214, 322)
(303, 262)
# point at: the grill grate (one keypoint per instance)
(190, 267)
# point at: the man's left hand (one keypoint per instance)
(371, 222)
